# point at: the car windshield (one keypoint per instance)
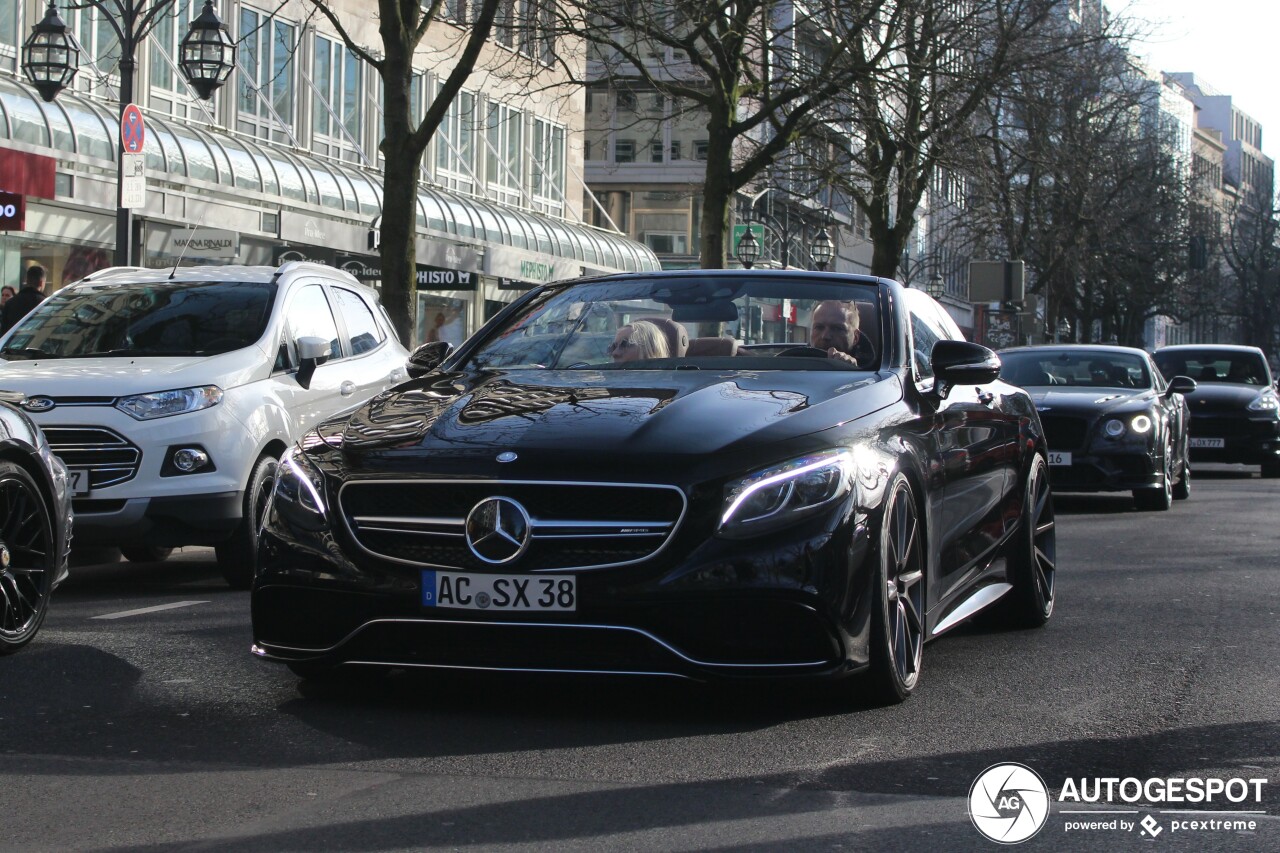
(1246, 368)
(161, 319)
(645, 323)
(1077, 368)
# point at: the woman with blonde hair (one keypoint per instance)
(639, 340)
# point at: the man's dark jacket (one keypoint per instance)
(18, 306)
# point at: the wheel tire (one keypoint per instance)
(236, 556)
(897, 624)
(1160, 498)
(1270, 470)
(1033, 562)
(27, 576)
(146, 553)
(1182, 489)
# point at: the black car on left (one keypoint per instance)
(661, 474)
(1112, 421)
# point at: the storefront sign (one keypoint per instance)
(369, 268)
(284, 254)
(204, 243)
(32, 175)
(504, 262)
(13, 212)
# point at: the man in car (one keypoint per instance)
(835, 329)
(31, 295)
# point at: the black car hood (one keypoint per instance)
(1224, 395)
(1090, 401)
(686, 413)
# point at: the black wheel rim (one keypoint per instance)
(1044, 537)
(261, 497)
(26, 578)
(904, 578)
(1168, 472)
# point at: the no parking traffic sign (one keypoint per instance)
(133, 133)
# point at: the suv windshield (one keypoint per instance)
(162, 319)
(1214, 365)
(661, 323)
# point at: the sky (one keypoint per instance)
(1233, 45)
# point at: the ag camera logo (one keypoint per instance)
(1009, 803)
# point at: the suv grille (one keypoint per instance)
(573, 525)
(108, 456)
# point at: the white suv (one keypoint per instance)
(171, 394)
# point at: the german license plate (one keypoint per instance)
(78, 478)
(1057, 457)
(537, 593)
(1208, 442)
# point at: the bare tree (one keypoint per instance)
(403, 24)
(1252, 251)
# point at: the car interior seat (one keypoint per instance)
(869, 324)
(713, 346)
(1208, 373)
(677, 334)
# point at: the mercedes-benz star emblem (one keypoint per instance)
(38, 404)
(498, 530)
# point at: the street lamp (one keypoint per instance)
(51, 57)
(937, 286)
(748, 248)
(823, 249)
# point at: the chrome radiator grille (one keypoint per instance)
(572, 525)
(109, 457)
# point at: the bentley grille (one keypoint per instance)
(1064, 433)
(572, 525)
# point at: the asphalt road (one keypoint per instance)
(156, 731)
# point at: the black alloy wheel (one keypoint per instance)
(237, 556)
(28, 557)
(1158, 498)
(897, 630)
(1182, 490)
(1033, 563)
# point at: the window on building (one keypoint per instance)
(655, 151)
(626, 101)
(548, 166)
(169, 92)
(674, 149)
(505, 25)
(700, 148)
(101, 47)
(667, 243)
(9, 41)
(337, 101)
(457, 10)
(267, 95)
(504, 153)
(624, 151)
(455, 144)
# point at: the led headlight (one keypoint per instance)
(1266, 401)
(1140, 424)
(162, 404)
(1114, 428)
(780, 494)
(298, 494)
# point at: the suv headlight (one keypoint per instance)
(1266, 401)
(162, 404)
(298, 494)
(781, 494)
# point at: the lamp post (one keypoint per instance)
(51, 57)
(937, 286)
(748, 248)
(823, 249)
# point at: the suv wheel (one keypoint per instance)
(237, 555)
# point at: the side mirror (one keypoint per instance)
(962, 363)
(1181, 385)
(312, 352)
(427, 358)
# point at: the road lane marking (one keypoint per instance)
(122, 614)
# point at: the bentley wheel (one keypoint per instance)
(1160, 498)
(1182, 490)
(236, 556)
(28, 557)
(897, 629)
(1033, 563)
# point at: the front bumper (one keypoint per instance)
(723, 609)
(163, 521)
(1107, 472)
(1247, 440)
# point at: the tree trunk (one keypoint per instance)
(399, 248)
(717, 199)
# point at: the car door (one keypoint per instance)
(977, 447)
(373, 363)
(308, 314)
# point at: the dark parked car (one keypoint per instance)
(1112, 421)
(776, 511)
(1235, 416)
(35, 525)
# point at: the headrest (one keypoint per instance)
(677, 335)
(713, 346)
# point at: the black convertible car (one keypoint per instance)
(1112, 421)
(35, 525)
(740, 505)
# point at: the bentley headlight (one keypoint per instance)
(298, 494)
(162, 404)
(1266, 401)
(1140, 424)
(1114, 428)
(780, 494)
